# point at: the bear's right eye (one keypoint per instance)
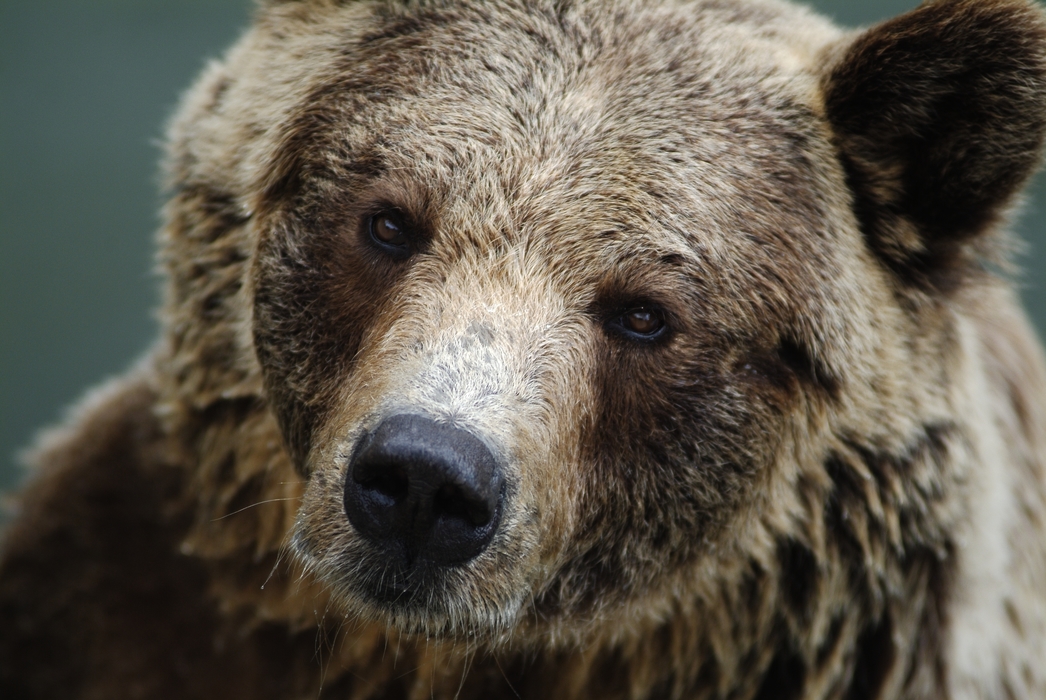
(388, 231)
(642, 323)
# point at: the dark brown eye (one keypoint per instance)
(641, 324)
(389, 232)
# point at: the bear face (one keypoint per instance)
(632, 348)
(677, 275)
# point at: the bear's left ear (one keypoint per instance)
(939, 117)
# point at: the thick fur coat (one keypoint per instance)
(703, 299)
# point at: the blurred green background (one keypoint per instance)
(85, 89)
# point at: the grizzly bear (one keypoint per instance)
(568, 349)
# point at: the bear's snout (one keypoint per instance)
(422, 490)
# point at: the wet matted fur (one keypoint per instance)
(711, 281)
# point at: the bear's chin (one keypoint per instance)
(415, 589)
(431, 609)
(419, 598)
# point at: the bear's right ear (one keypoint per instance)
(939, 117)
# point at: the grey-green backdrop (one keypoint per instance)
(85, 88)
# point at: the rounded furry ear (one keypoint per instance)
(939, 117)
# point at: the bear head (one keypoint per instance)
(573, 313)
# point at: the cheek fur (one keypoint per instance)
(665, 462)
(317, 296)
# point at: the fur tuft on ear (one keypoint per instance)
(939, 117)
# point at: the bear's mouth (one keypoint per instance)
(402, 588)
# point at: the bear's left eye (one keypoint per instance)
(642, 323)
(388, 231)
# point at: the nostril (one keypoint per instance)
(451, 502)
(388, 480)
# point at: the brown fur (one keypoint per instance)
(826, 479)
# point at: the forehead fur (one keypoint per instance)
(548, 82)
(489, 124)
(514, 112)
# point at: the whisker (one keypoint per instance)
(259, 503)
(505, 676)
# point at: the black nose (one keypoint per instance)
(424, 490)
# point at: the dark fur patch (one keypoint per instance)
(875, 656)
(936, 571)
(800, 578)
(811, 372)
(785, 679)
